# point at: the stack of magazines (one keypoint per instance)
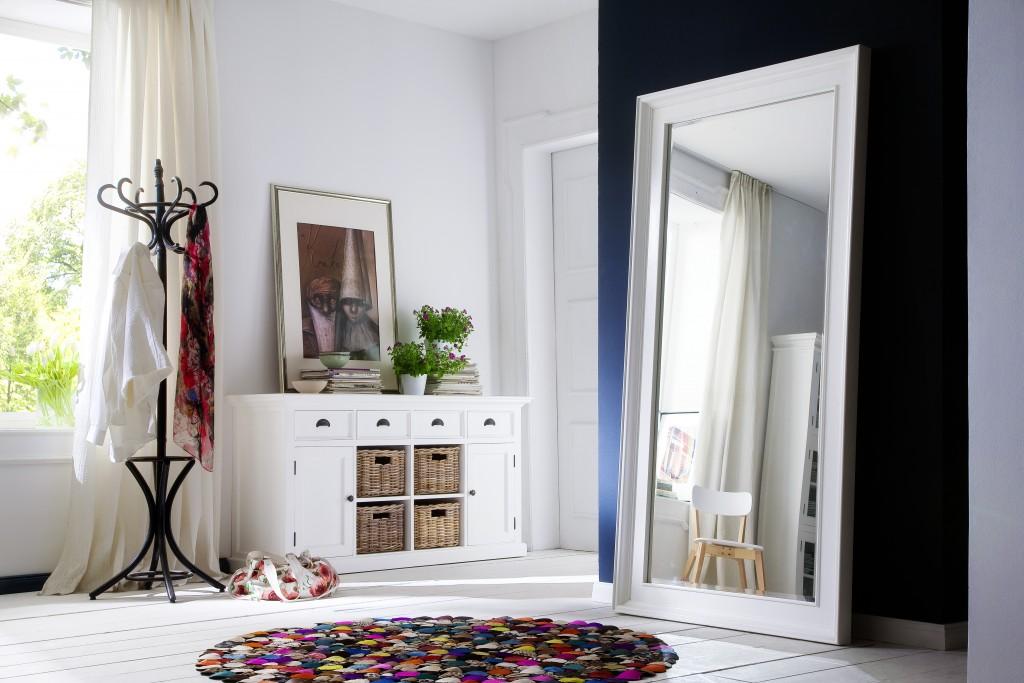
(466, 382)
(348, 380)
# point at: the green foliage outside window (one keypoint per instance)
(40, 272)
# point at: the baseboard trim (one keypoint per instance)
(602, 592)
(921, 634)
(22, 583)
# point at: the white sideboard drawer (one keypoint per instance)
(436, 423)
(493, 423)
(389, 424)
(323, 424)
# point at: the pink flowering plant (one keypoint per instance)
(446, 327)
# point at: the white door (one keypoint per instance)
(574, 204)
(323, 491)
(491, 514)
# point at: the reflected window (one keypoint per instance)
(691, 281)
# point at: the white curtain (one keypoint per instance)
(730, 441)
(153, 95)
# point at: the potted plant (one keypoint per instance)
(54, 376)
(411, 365)
(448, 326)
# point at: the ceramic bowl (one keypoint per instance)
(309, 386)
(335, 359)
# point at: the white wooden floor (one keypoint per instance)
(139, 637)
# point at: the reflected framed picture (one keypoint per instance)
(335, 280)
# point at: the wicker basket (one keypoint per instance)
(437, 524)
(380, 527)
(436, 469)
(380, 472)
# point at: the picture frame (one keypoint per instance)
(335, 277)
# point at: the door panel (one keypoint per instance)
(574, 204)
(324, 517)
(493, 489)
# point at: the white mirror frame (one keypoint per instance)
(827, 619)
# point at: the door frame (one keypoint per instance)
(526, 297)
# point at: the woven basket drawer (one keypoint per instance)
(437, 525)
(380, 528)
(380, 472)
(436, 469)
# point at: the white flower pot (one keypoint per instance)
(413, 386)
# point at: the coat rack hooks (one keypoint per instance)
(159, 216)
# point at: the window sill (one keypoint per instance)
(24, 441)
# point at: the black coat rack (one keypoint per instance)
(159, 216)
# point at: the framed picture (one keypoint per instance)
(335, 280)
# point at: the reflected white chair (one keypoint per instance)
(723, 504)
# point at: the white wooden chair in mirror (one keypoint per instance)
(724, 504)
(741, 350)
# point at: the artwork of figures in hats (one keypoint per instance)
(338, 278)
(335, 280)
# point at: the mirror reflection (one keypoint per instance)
(734, 493)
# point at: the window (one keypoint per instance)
(691, 286)
(44, 96)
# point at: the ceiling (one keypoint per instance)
(486, 19)
(787, 145)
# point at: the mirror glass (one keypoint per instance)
(734, 498)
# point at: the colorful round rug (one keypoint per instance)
(441, 650)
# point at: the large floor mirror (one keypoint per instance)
(740, 385)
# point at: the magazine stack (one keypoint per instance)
(466, 382)
(348, 380)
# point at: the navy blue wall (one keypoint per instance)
(911, 489)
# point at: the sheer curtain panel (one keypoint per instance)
(153, 95)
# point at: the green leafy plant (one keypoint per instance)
(449, 326)
(415, 359)
(409, 358)
(54, 376)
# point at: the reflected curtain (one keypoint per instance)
(730, 442)
(152, 95)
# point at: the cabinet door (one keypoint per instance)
(492, 503)
(323, 482)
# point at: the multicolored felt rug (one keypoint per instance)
(441, 650)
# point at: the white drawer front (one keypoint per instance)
(436, 423)
(492, 423)
(383, 423)
(323, 424)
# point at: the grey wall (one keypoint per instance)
(995, 262)
(796, 292)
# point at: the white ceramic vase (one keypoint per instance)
(414, 386)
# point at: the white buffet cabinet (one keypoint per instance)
(294, 458)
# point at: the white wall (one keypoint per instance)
(543, 78)
(316, 94)
(552, 68)
(995, 262)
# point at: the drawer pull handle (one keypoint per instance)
(350, 498)
(489, 422)
(472, 492)
(323, 422)
(383, 422)
(437, 422)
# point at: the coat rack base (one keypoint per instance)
(159, 535)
